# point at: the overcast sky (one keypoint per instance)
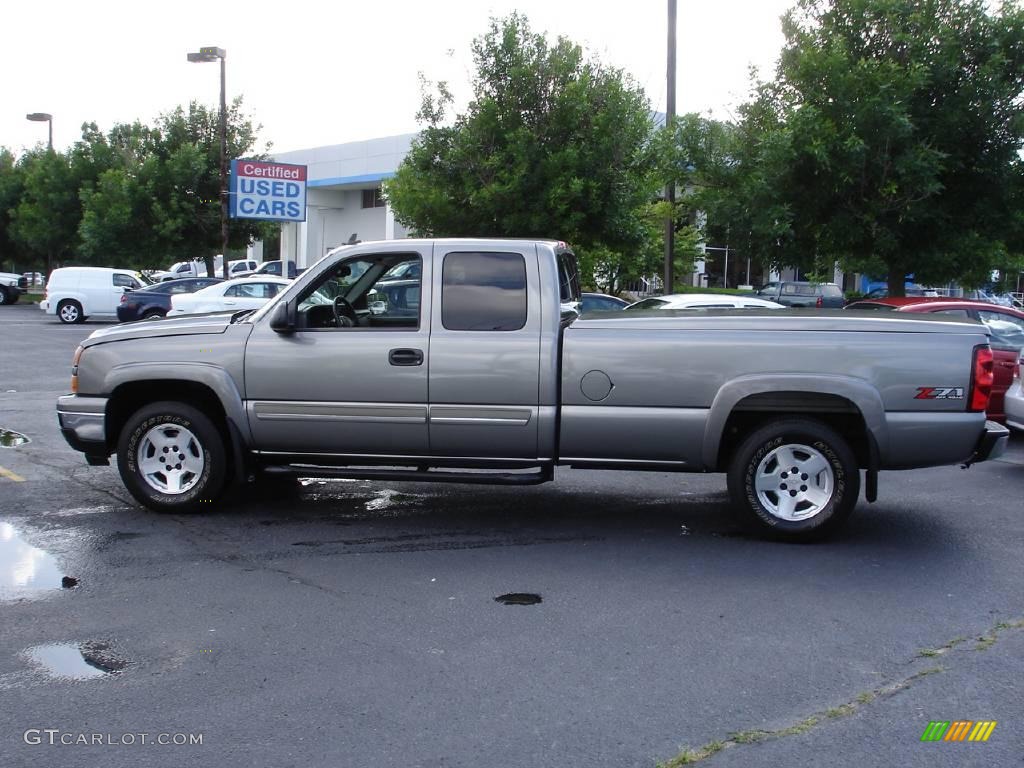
(315, 74)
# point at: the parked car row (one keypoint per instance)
(181, 269)
(74, 294)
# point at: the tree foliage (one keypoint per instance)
(137, 196)
(553, 144)
(890, 138)
(12, 185)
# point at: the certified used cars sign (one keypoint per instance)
(268, 191)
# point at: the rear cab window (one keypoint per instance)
(569, 279)
(482, 291)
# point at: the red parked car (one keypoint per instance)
(1005, 324)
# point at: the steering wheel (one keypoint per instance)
(344, 315)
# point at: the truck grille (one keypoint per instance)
(23, 282)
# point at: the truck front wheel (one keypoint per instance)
(171, 457)
(795, 479)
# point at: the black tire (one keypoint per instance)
(69, 311)
(818, 503)
(6, 298)
(204, 485)
(153, 313)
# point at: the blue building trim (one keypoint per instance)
(364, 178)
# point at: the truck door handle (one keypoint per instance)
(405, 357)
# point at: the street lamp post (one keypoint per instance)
(206, 54)
(45, 117)
(42, 117)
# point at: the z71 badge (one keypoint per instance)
(939, 393)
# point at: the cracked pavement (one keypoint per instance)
(355, 623)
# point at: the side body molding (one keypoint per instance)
(857, 391)
(212, 376)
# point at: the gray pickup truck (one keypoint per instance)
(474, 367)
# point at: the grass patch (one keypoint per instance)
(690, 756)
(986, 641)
(929, 652)
(841, 711)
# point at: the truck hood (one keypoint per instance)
(777, 320)
(177, 326)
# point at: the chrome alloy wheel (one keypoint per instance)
(170, 459)
(69, 313)
(794, 482)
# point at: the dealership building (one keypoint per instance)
(343, 199)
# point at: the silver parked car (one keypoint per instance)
(1014, 402)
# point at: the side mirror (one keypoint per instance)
(282, 318)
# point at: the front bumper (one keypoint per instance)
(82, 422)
(991, 444)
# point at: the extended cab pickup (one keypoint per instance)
(477, 368)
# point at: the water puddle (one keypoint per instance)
(9, 439)
(519, 598)
(24, 568)
(71, 661)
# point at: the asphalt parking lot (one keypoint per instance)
(356, 623)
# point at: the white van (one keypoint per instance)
(75, 294)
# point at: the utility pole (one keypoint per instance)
(223, 170)
(670, 114)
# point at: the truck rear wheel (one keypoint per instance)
(171, 457)
(795, 479)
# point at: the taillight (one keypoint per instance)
(819, 303)
(124, 298)
(981, 378)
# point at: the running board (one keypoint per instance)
(543, 475)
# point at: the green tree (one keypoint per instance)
(159, 199)
(890, 139)
(553, 144)
(12, 185)
(45, 220)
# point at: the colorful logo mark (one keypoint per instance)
(958, 730)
